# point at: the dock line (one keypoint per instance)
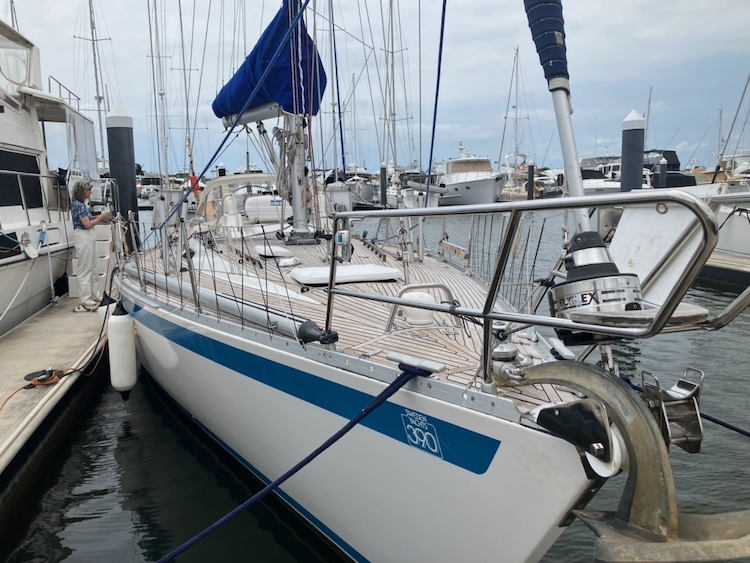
(48, 402)
(407, 374)
(44, 406)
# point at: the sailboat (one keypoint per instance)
(36, 231)
(473, 430)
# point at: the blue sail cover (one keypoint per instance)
(296, 85)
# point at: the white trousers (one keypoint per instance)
(88, 281)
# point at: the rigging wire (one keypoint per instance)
(435, 108)
(254, 93)
(367, 56)
(338, 96)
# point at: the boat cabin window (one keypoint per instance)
(151, 181)
(470, 166)
(590, 174)
(10, 194)
(14, 65)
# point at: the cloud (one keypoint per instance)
(693, 62)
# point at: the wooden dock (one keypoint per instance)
(727, 269)
(35, 420)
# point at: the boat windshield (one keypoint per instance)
(211, 206)
(14, 65)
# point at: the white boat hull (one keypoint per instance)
(27, 286)
(474, 480)
(471, 189)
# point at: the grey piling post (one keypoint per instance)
(122, 159)
(383, 187)
(663, 173)
(633, 127)
(530, 167)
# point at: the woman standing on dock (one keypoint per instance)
(85, 243)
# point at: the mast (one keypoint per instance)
(515, 113)
(393, 84)
(648, 115)
(162, 140)
(336, 176)
(185, 70)
(389, 108)
(99, 96)
(295, 127)
(501, 156)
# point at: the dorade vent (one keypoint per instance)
(416, 316)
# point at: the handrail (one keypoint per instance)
(703, 214)
(30, 174)
(633, 197)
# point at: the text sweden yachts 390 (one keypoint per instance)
(272, 343)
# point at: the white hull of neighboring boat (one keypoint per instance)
(731, 256)
(409, 198)
(271, 402)
(471, 189)
(33, 280)
(601, 187)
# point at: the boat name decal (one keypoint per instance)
(420, 433)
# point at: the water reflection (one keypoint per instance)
(136, 481)
(714, 480)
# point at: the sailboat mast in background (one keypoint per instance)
(102, 156)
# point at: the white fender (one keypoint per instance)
(122, 366)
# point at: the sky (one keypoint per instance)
(682, 63)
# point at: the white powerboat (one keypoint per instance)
(36, 232)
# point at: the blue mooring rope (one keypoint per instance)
(407, 373)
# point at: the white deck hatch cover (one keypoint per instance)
(345, 274)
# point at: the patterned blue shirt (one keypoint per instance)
(78, 210)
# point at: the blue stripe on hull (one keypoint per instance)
(454, 444)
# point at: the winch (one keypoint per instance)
(593, 285)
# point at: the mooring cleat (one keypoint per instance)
(425, 365)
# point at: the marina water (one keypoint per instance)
(136, 479)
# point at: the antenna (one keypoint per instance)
(14, 17)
